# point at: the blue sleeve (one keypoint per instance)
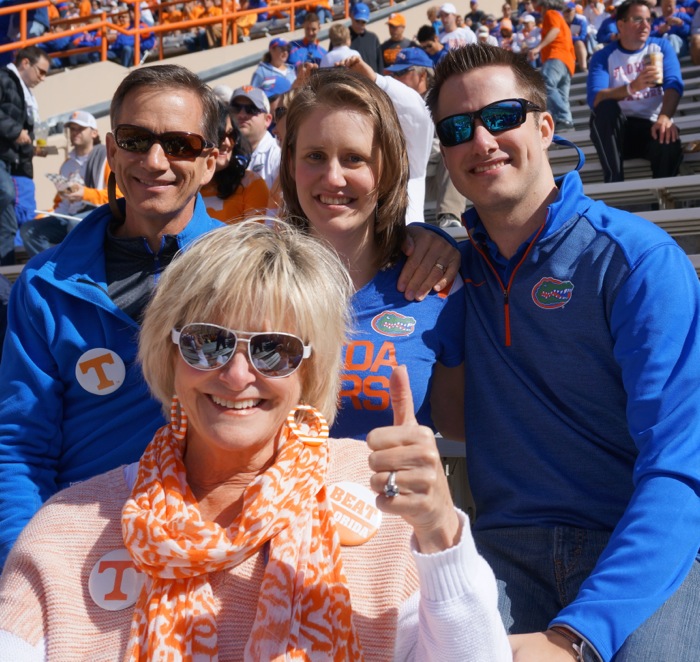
(257, 78)
(598, 75)
(673, 79)
(437, 230)
(606, 30)
(30, 417)
(451, 325)
(654, 325)
(148, 40)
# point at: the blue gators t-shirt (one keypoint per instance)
(391, 331)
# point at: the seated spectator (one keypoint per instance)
(232, 546)
(484, 36)
(579, 33)
(607, 32)
(454, 36)
(430, 43)
(251, 113)
(74, 403)
(235, 193)
(673, 25)
(82, 186)
(121, 50)
(208, 36)
(505, 34)
(339, 37)
(274, 65)
(259, 4)
(595, 13)
(491, 23)
(632, 116)
(322, 9)
(340, 113)
(396, 42)
(245, 23)
(695, 38)
(308, 49)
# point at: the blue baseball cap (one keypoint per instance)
(361, 12)
(410, 57)
(282, 43)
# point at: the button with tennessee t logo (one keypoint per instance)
(356, 517)
(114, 582)
(100, 371)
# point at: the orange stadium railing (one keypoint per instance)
(104, 25)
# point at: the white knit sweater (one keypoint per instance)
(47, 612)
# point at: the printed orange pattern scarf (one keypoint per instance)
(304, 610)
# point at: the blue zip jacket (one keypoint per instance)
(583, 355)
(73, 402)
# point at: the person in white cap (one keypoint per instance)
(528, 36)
(251, 110)
(484, 37)
(82, 186)
(453, 36)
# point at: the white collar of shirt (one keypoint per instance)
(29, 98)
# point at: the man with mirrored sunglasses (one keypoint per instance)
(581, 367)
(73, 401)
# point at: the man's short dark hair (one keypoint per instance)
(311, 17)
(31, 53)
(476, 56)
(622, 10)
(426, 33)
(171, 76)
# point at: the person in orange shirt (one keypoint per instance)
(234, 193)
(556, 51)
(85, 8)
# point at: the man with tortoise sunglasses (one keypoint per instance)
(74, 403)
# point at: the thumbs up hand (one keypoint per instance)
(409, 451)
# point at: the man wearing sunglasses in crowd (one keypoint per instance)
(73, 402)
(582, 367)
(251, 110)
(632, 115)
(19, 112)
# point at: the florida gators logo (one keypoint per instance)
(552, 293)
(393, 324)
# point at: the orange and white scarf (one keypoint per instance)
(301, 615)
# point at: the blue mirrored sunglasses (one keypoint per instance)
(496, 117)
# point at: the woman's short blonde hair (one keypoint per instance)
(257, 277)
(341, 89)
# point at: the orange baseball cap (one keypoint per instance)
(397, 19)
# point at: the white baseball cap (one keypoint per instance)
(82, 118)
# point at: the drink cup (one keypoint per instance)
(656, 59)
